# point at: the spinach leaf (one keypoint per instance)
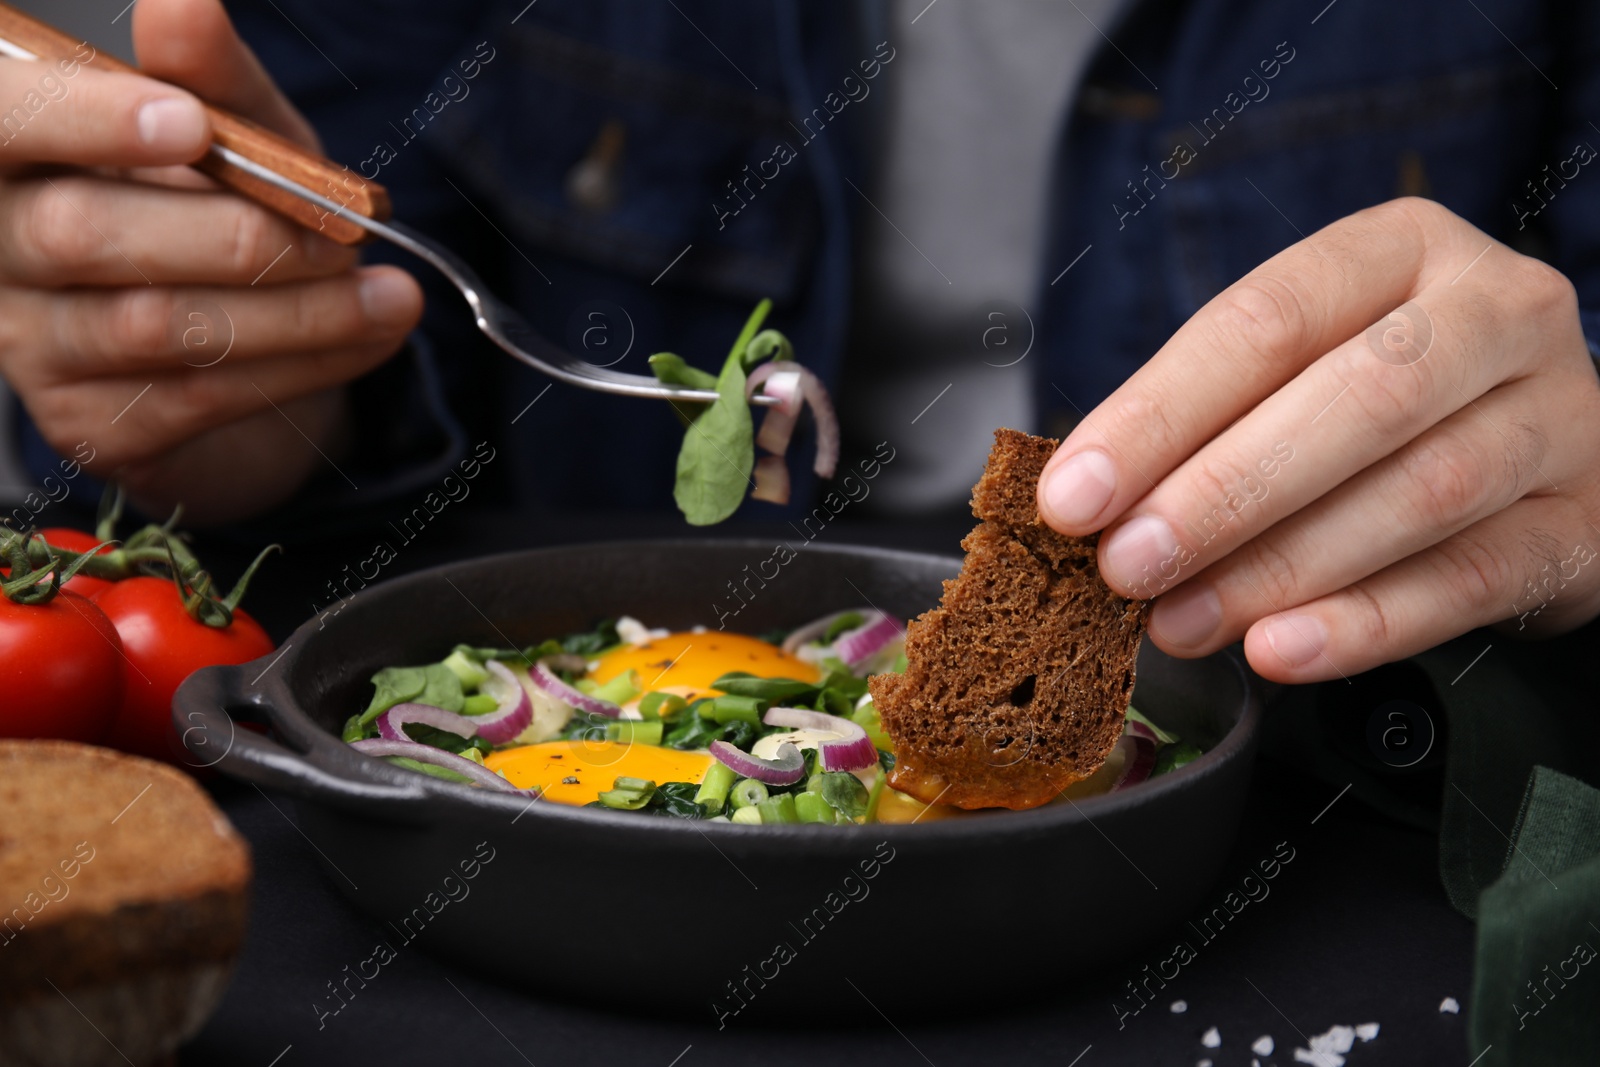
(441, 688)
(395, 685)
(676, 799)
(776, 690)
(844, 793)
(429, 768)
(589, 642)
(718, 452)
(672, 370)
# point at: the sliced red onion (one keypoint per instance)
(827, 423)
(857, 646)
(785, 770)
(851, 751)
(776, 429)
(778, 377)
(781, 378)
(391, 724)
(546, 680)
(514, 710)
(813, 631)
(480, 775)
(772, 480)
(1139, 729)
(1140, 753)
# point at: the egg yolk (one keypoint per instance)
(687, 663)
(577, 772)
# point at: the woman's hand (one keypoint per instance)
(1342, 483)
(124, 276)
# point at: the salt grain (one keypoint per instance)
(1179, 1007)
(1451, 1005)
(1211, 1039)
(1263, 1045)
(1367, 1031)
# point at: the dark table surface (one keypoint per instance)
(1355, 929)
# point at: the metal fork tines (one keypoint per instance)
(496, 319)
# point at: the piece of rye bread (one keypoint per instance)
(1017, 682)
(124, 893)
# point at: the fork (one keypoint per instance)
(283, 177)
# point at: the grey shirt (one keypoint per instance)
(950, 244)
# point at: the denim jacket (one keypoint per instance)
(594, 159)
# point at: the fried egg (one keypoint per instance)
(577, 772)
(687, 663)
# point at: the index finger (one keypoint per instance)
(62, 111)
(1236, 351)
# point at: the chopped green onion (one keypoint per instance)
(466, 668)
(811, 807)
(746, 816)
(725, 709)
(628, 794)
(747, 792)
(478, 704)
(814, 783)
(778, 809)
(714, 787)
(621, 689)
(634, 732)
(665, 706)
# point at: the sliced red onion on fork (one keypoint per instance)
(782, 379)
(851, 751)
(772, 480)
(477, 772)
(785, 770)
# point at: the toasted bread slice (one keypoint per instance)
(1017, 682)
(123, 897)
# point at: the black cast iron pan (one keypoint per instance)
(735, 923)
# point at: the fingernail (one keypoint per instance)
(1079, 490)
(1297, 639)
(171, 124)
(1187, 616)
(1142, 555)
(388, 298)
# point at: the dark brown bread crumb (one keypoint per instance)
(1017, 682)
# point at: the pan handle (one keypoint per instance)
(202, 712)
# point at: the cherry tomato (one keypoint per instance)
(60, 669)
(164, 645)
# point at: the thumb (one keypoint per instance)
(192, 43)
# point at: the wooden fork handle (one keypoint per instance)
(256, 143)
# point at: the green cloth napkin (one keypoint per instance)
(1536, 982)
(1518, 821)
